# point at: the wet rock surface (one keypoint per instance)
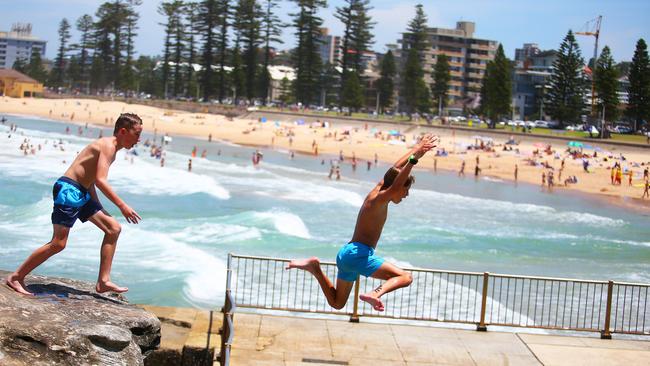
(68, 323)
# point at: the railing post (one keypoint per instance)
(605, 333)
(354, 318)
(481, 325)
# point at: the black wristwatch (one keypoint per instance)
(412, 160)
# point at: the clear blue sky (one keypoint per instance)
(511, 22)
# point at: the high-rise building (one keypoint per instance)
(529, 50)
(468, 58)
(19, 44)
(329, 47)
(531, 74)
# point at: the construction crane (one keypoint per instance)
(593, 29)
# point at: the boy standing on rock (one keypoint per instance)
(358, 256)
(75, 198)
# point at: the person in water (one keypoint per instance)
(358, 256)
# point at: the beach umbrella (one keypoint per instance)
(300, 122)
(575, 144)
(263, 119)
(393, 133)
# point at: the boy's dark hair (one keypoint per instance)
(126, 120)
(390, 176)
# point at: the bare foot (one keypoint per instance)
(309, 264)
(17, 285)
(374, 302)
(110, 286)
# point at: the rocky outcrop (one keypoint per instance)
(68, 323)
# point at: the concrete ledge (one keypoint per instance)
(189, 336)
(281, 340)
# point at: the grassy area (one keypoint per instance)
(638, 139)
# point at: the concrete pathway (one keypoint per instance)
(291, 341)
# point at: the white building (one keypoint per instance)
(19, 44)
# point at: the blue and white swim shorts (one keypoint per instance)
(357, 258)
(72, 201)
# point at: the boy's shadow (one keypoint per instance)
(65, 292)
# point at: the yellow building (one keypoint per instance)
(17, 85)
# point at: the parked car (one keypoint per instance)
(553, 124)
(541, 124)
(622, 129)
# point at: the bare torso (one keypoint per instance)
(84, 167)
(371, 220)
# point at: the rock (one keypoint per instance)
(68, 323)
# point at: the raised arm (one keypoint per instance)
(101, 181)
(427, 143)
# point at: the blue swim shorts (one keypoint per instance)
(72, 201)
(355, 259)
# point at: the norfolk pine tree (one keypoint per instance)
(58, 72)
(191, 11)
(130, 26)
(167, 9)
(35, 68)
(271, 30)
(362, 26)
(386, 82)
(497, 88)
(565, 97)
(607, 85)
(441, 77)
(638, 108)
(306, 59)
(352, 95)
(250, 14)
(85, 27)
(224, 13)
(208, 20)
(356, 40)
(415, 93)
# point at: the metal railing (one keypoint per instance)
(227, 330)
(453, 296)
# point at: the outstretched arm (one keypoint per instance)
(427, 143)
(101, 181)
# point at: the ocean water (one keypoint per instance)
(289, 208)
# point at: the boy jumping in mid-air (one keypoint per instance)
(358, 256)
(75, 197)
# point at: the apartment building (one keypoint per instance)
(530, 78)
(19, 44)
(468, 58)
(329, 47)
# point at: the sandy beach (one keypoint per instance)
(363, 141)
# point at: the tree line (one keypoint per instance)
(221, 50)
